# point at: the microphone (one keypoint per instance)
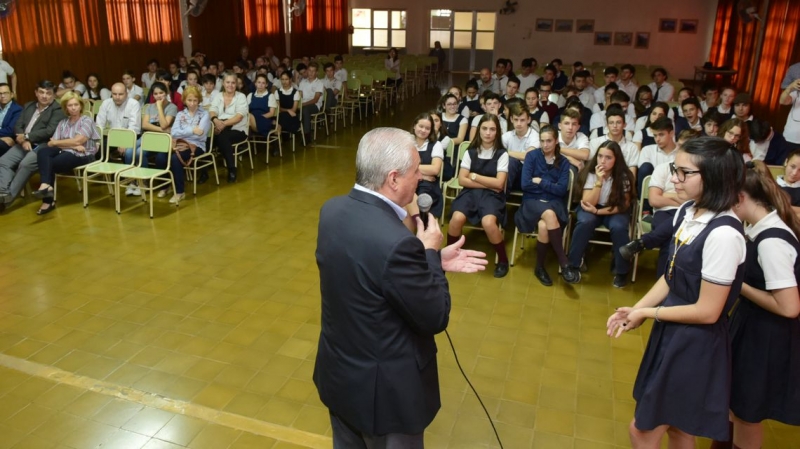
(424, 203)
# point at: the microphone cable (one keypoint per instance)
(473, 389)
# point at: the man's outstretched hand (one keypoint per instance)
(459, 260)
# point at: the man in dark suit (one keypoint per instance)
(9, 114)
(384, 297)
(35, 127)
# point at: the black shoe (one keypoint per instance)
(542, 276)
(231, 177)
(202, 178)
(46, 211)
(631, 249)
(571, 275)
(500, 270)
(44, 193)
(2, 206)
(620, 280)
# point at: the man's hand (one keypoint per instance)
(8, 141)
(460, 260)
(20, 138)
(27, 146)
(432, 237)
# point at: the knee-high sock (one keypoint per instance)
(541, 253)
(556, 240)
(501, 252)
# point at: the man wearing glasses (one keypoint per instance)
(9, 114)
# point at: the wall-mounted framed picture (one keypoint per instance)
(584, 26)
(564, 25)
(668, 25)
(623, 38)
(688, 26)
(602, 38)
(544, 24)
(641, 40)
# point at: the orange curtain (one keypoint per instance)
(41, 38)
(321, 29)
(721, 44)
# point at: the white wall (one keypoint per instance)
(516, 39)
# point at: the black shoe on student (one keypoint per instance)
(542, 276)
(500, 270)
(202, 178)
(631, 249)
(231, 177)
(571, 275)
(620, 280)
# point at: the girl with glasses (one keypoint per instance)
(455, 123)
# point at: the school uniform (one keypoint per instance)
(286, 100)
(765, 347)
(453, 125)
(578, 142)
(661, 227)
(560, 82)
(551, 109)
(478, 203)
(429, 151)
(512, 142)
(685, 376)
(135, 91)
(725, 114)
(645, 137)
(469, 105)
(664, 93)
(500, 84)
(310, 89)
(449, 171)
(539, 116)
(681, 124)
(629, 150)
(331, 86)
(549, 194)
(260, 104)
(586, 117)
(792, 189)
(598, 119)
(629, 88)
(651, 157)
(341, 75)
(587, 99)
(503, 123)
(526, 82)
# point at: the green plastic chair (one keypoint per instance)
(116, 138)
(453, 184)
(152, 178)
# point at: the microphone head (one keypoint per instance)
(424, 202)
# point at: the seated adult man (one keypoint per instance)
(500, 77)
(767, 144)
(627, 80)
(710, 97)
(615, 130)
(662, 90)
(574, 144)
(313, 90)
(69, 83)
(35, 127)
(9, 114)
(512, 89)
(486, 82)
(518, 142)
(741, 106)
(527, 78)
(691, 116)
(120, 111)
(560, 79)
(332, 85)
(663, 151)
(579, 83)
(610, 75)
(492, 105)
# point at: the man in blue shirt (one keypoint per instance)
(9, 113)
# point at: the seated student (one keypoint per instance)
(500, 77)
(579, 83)
(73, 144)
(643, 101)
(510, 68)
(615, 131)
(737, 133)
(332, 86)
(191, 78)
(545, 185)
(545, 89)
(560, 79)
(790, 180)
(300, 73)
(619, 99)
(36, 124)
(512, 89)
(95, 90)
(741, 106)
(527, 78)
(574, 144)
(176, 77)
(69, 83)
(663, 149)
(711, 121)
(431, 157)
(574, 103)
(486, 82)
(262, 106)
(664, 199)
(643, 136)
(627, 80)
(725, 107)
(392, 65)
(598, 116)
(440, 133)
(710, 97)
(208, 91)
(134, 91)
(482, 199)
(163, 77)
(538, 115)
(9, 114)
(240, 69)
(454, 123)
(662, 90)
(518, 142)
(470, 103)
(609, 190)
(313, 90)
(149, 77)
(492, 106)
(768, 145)
(690, 116)
(289, 103)
(548, 76)
(610, 75)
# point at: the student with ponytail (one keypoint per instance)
(765, 332)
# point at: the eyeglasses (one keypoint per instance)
(680, 172)
(5, 93)
(451, 104)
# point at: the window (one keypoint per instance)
(462, 24)
(441, 21)
(379, 28)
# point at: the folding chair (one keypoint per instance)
(203, 161)
(321, 116)
(339, 109)
(77, 172)
(152, 178)
(272, 136)
(641, 227)
(453, 184)
(243, 147)
(116, 138)
(351, 101)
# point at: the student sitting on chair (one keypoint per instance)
(643, 135)
(663, 197)
(711, 122)
(545, 184)
(262, 107)
(482, 199)
(574, 103)
(339, 71)
(332, 86)
(741, 107)
(527, 78)
(500, 77)
(609, 190)
(662, 90)
(512, 89)
(518, 142)
(598, 117)
(441, 136)
(627, 81)
(134, 91)
(725, 106)
(574, 144)
(545, 89)
(689, 117)
(471, 103)
(209, 90)
(737, 133)
(454, 123)
(579, 83)
(538, 115)
(560, 79)
(684, 94)
(431, 157)
(767, 144)
(663, 150)
(643, 101)
(610, 75)
(289, 103)
(790, 180)
(312, 97)
(491, 103)
(615, 131)
(710, 97)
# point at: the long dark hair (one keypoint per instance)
(722, 169)
(442, 133)
(743, 145)
(443, 100)
(552, 130)
(161, 86)
(498, 141)
(96, 92)
(659, 104)
(623, 180)
(424, 116)
(760, 186)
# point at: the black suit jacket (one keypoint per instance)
(384, 297)
(45, 125)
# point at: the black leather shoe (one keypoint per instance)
(202, 178)
(231, 177)
(620, 280)
(631, 249)
(542, 276)
(500, 270)
(46, 211)
(571, 275)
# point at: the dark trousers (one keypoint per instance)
(584, 229)
(330, 99)
(54, 160)
(660, 236)
(346, 436)
(644, 171)
(308, 111)
(176, 167)
(3, 148)
(514, 181)
(225, 141)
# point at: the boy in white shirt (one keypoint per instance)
(512, 89)
(615, 122)
(313, 90)
(527, 78)
(500, 77)
(627, 80)
(691, 116)
(660, 152)
(579, 82)
(710, 97)
(134, 91)
(491, 104)
(610, 74)
(613, 96)
(332, 85)
(662, 90)
(574, 144)
(339, 71)
(518, 142)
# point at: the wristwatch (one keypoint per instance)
(473, 176)
(26, 137)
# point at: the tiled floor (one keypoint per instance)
(216, 305)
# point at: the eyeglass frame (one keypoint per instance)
(673, 170)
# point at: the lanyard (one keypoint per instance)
(678, 244)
